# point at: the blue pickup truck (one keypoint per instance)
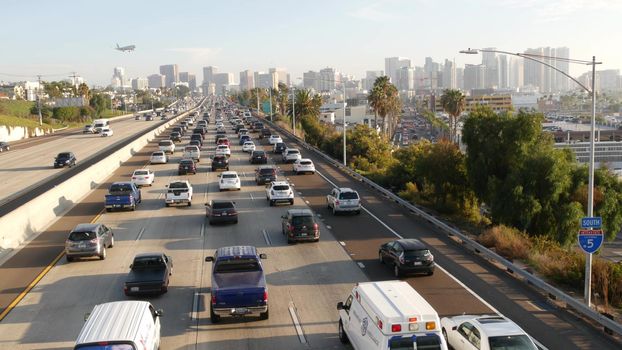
(238, 283)
(122, 195)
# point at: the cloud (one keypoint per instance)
(197, 54)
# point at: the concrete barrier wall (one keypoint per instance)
(25, 222)
(14, 133)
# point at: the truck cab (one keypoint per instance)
(389, 315)
(123, 195)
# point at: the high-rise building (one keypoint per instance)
(208, 74)
(474, 76)
(192, 82)
(392, 64)
(460, 78)
(156, 81)
(281, 75)
(516, 75)
(489, 61)
(184, 77)
(221, 81)
(328, 79)
(370, 78)
(503, 72)
(247, 80)
(118, 80)
(171, 72)
(449, 75)
(405, 79)
(140, 83)
(311, 80)
(265, 80)
(544, 78)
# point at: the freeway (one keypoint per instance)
(30, 163)
(305, 280)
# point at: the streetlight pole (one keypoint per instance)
(343, 85)
(270, 92)
(293, 110)
(587, 292)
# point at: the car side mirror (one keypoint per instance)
(283, 217)
(207, 205)
(86, 316)
(209, 259)
(340, 305)
(263, 256)
(131, 266)
(454, 328)
(159, 312)
(165, 185)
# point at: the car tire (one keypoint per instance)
(69, 258)
(358, 212)
(289, 241)
(133, 207)
(102, 256)
(291, 202)
(213, 317)
(444, 332)
(396, 271)
(430, 272)
(271, 203)
(189, 204)
(264, 315)
(380, 258)
(111, 242)
(108, 210)
(167, 204)
(343, 337)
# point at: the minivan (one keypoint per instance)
(121, 325)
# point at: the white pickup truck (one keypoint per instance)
(342, 200)
(179, 192)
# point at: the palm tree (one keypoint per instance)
(283, 98)
(307, 104)
(385, 101)
(453, 102)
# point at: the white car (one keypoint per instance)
(190, 121)
(193, 152)
(274, 139)
(158, 157)
(279, 191)
(304, 166)
(220, 125)
(179, 192)
(248, 146)
(485, 333)
(106, 132)
(143, 177)
(229, 180)
(167, 146)
(291, 155)
(223, 150)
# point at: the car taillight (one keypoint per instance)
(265, 296)
(213, 299)
(336, 202)
(133, 177)
(396, 328)
(315, 227)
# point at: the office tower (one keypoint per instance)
(171, 72)
(405, 79)
(370, 78)
(489, 60)
(392, 64)
(156, 81)
(460, 78)
(118, 78)
(544, 78)
(208, 74)
(183, 77)
(247, 80)
(265, 80)
(310, 80)
(281, 75)
(221, 81)
(516, 72)
(140, 84)
(474, 76)
(192, 82)
(449, 75)
(328, 79)
(503, 72)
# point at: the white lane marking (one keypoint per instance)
(534, 305)
(437, 265)
(306, 201)
(292, 313)
(250, 194)
(202, 229)
(329, 227)
(140, 234)
(266, 237)
(342, 243)
(195, 306)
(361, 265)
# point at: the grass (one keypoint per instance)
(110, 113)
(16, 108)
(10, 120)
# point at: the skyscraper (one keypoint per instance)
(449, 75)
(192, 82)
(405, 79)
(221, 81)
(311, 80)
(156, 81)
(328, 79)
(370, 78)
(489, 60)
(281, 75)
(474, 76)
(183, 77)
(247, 80)
(543, 77)
(392, 64)
(208, 74)
(171, 72)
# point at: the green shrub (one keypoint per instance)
(507, 241)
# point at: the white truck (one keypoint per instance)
(389, 315)
(179, 192)
(99, 124)
(343, 200)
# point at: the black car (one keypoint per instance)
(264, 133)
(186, 166)
(218, 211)
(175, 136)
(279, 147)
(220, 162)
(65, 159)
(149, 117)
(178, 129)
(407, 255)
(195, 143)
(265, 174)
(300, 225)
(199, 130)
(258, 157)
(4, 146)
(198, 137)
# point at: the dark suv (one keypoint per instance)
(279, 147)
(220, 162)
(258, 157)
(265, 174)
(175, 136)
(407, 255)
(264, 133)
(197, 137)
(221, 211)
(178, 129)
(187, 166)
(300, 225)
(65, 159)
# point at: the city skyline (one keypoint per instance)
(352, 37)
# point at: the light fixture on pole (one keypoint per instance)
(590, 194)
(293, 109)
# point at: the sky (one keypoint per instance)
(55, 38)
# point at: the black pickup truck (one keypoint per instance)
(149, 274)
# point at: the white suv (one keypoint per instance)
(291, 155)
(229, 180)
(179, 192)
(279, 191)
(274, 139)
(304, 166)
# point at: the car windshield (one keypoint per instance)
(120, 188)
(64, 155)
(229, 176)
(107, 347)
(222, 205)
(141, 172)
(248, 143)
(157, 154)
(266, 171)
(178, 185)
(147, 261)
(514, 342)
(281, 187)
(293, 151)
(237, 265)
(187, 162)
(416, 253)
(348, 195)
(308, 162)
(302, 221)
(191, 149)
(82, 236)
(165, 143)
(220, 159)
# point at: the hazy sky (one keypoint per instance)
(62, 36)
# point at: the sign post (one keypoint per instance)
(590, 240)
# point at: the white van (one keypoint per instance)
(121, 325)
(192, 152)
(99, 124)
(389, 315)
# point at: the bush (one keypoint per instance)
(507, 241)
(563, 266)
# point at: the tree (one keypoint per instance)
(366, 147)
(282, 98)
(385, 101)
(307, 104)
(99, 102)
(181, 91)
(453, 102)
(83, 90)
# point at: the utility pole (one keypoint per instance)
(257, 95)
(39, 100)
(294, 110)
(270, 91)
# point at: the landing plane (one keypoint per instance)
(128, 48)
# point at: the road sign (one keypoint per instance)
(591, 222)
(590, 240)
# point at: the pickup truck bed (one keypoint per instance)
(151, 277)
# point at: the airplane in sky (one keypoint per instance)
(128, 48)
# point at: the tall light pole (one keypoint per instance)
(343, 86)
(39, 100)
(293, 110)
(587, 292)
(270, 92)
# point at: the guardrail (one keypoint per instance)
(551, 292)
